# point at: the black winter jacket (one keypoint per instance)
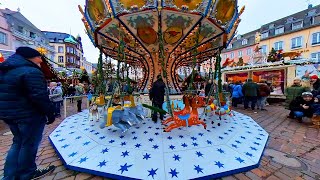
(295, 105)
(157, 92)
(23, 91)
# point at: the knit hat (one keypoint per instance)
(27, 52)
(297, 78)
(307, 94)
(314, 77)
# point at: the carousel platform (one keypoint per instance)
(146, 152)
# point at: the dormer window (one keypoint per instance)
(316, 19)
(271, 26)
(230, 46)
(32, 35)
(312, 13)
(244, 42)
(265, 35)
(297, 25)
(279, 30)
(290, 20)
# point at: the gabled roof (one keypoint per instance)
(237, 42)
(17, 17)
(286, 22)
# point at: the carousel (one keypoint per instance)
(200, 138)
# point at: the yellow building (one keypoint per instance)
(297, 33)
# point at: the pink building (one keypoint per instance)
(242, 46)
(6, 38)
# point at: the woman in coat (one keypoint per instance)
(237, 94)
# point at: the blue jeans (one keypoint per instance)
(298, 114)
(20, 161)
(261, 102)
(57, 107)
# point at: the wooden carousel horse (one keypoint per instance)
(188, 119)
(186, 110)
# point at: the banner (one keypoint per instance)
(274, 78)
(242, 77)
(305, 71)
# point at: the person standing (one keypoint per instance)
(157, 96)
(250, 92)
(56, 97)
(208, 87)
(236, 94)
(71, 92)
(79, 92)
(25, 107)
(263, 93)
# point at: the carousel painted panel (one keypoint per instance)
(144, 26)
(97, 12)
(175, 26)
(224, 11)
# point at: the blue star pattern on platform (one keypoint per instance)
(124, 168)
(103, 163)
(176, 157)
(147, 152)
(219, 164)
(146, 156)
(198, 168)
(124, 154)
(83, 160)
(174, 173)
(105, 150)
(152, 172)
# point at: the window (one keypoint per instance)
(232, 55)
(60, 41)
(225, 56)
(297, 25)
(60, 49)
(296, 42)
(264, 35)
(316, 56)
(20, 29)
(240, 53)
(316, 19)
(278, 45)
(51, 40)
(32, 35)
(279, 30)
(68, 49)
(316, 38)
(264, 49)
(230, 46)
(271, 26)
(3, 38)
(60, 59)
(244, 42)
(249, 51)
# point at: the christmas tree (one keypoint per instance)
(272, 57)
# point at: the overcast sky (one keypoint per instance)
(63, 15)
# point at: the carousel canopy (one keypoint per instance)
(179, 27)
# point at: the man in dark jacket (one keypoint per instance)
(250, 92)
(301, 106)
(207, 88)
(26, 108)
(157, 96)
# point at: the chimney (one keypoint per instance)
(310, 6)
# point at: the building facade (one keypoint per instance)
(297, 33)
(69, 50)
(17, 30)
(242, 46)
(88, 66)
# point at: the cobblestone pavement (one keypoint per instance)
(293, 150)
